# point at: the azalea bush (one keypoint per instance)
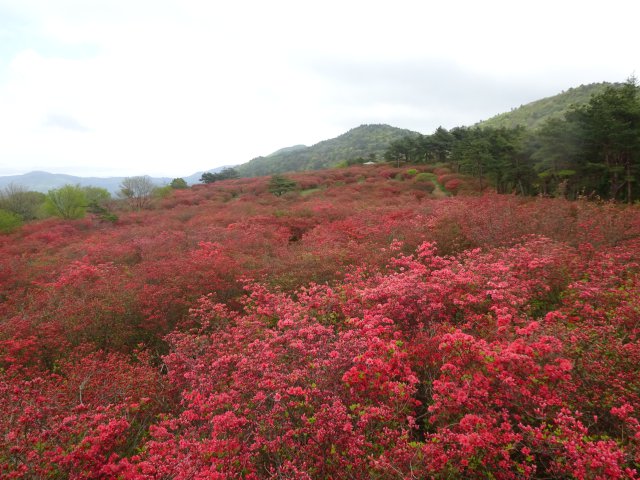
(357, 331)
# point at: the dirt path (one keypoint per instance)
(438, 192)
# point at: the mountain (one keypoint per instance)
(534, 114)
(45, 181)
(365, 141)
(295, 148)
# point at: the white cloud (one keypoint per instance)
(169, 88)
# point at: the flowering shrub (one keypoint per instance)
(361, 331)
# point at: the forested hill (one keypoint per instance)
(534, 114)
(367, 142)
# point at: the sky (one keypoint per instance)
(173, 87)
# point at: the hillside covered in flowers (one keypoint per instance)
(371, 323)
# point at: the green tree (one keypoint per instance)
(69, 201)
(22, 202)
(178, 183)
(9, 221)
(102, 212)
(96, 195)
(162, 192)
(495, 156)
(226, 174)
(436, 148)
(473, 153)
(208, 177)
(510, 168)
(555, 150)
(610, 125)
(279, 185)
(520, 176)
(404, 149)
(99, 203)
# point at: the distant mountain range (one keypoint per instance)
(45, 181)
(366, 141)
(534, 114)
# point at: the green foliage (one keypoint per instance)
(309, 191)
(494, 156)
(22, 202)
(591, 149)
(434, 148)
(102, 212)
(98, 200)
(555, 149)
(9, 221)
(497, 155)
(533, 115)
(438, 145)
(226, 174)
(610, 126)
(178, 183)
(425, 177)
(364, 142)
(162, 192)
(69, 202)
(279, 185)
(356, 161)
(595, 149)
(404, 149)
(96, 195)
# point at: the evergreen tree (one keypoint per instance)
(226, 174)
(610, 125)
(178, 184)
(279, 185)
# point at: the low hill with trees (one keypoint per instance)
(591, 149)
(360, 144)
(533, 115)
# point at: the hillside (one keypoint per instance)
(366, 141)
(355, 324)
(44, 181)
(294, 148)
(534, 114)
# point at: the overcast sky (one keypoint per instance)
(171, 87)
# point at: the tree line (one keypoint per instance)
(19, 205)
(594, 151)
